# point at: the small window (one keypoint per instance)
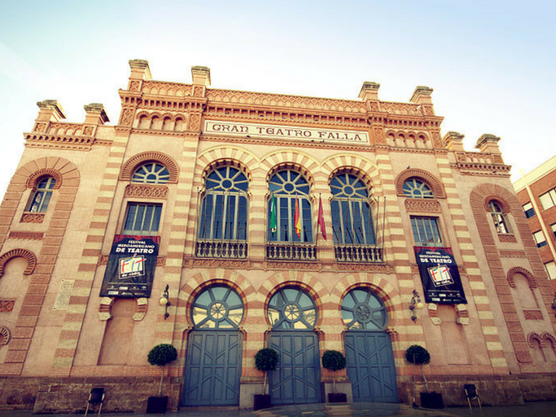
(553, 226)
(498, 217)
(142, 219)
(529, 211)
(425, 231)
(548, 199)
(550, 269)
(539, 238)
(416, 188)
(41, 196)
(151, 173)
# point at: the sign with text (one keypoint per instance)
(307, 134)
(439, 275)
(131, 265)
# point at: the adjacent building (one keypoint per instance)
(225, 221)
(536, 192)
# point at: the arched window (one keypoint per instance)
(151, 173)
(363, 310)
(224, 206)
(351, 212)
(292, 309)
(417, 188)
(288, 203)
(42, 195)
(217, 307)
(498, 217)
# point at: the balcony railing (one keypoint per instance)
(221, 249)
(291, 251)
(358, 253)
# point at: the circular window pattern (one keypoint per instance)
(151, 173)
(415, 188)
(363, 310)
(217, 307)
(292, 309)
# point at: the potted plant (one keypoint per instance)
(265, 360)
(418, 355)
(160, 355)
(334, 361)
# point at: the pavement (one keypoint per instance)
(532, 409)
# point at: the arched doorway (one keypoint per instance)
(214, 348)
(293, 313)
(369, 356)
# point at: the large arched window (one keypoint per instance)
(217, 307)
(41, 196)
(351, 212)
(363, 310)
(292, 309)
(224, 205)
(289, 208)
(417, 188)
(498, 217)
(151, 173)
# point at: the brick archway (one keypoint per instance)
(153, 156)
(19, 253)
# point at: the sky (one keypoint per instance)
(491, 63)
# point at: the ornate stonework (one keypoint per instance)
(78, 143)
(4, 335)
(6, 306)
(146, 191)
(508, 238)
(127, 117)
(532, 314)
(32, 218)
(425, 205)
(217, 263)
(45, 172)
(519, 270)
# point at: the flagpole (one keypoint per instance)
(318, 220)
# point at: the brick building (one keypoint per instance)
(300, 223)
(536, 192)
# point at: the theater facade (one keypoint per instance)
(225, 221)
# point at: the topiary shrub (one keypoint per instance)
(418, 355)
(266, 360)
(333, 361)
(160, 355)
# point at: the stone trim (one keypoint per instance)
(146, 191)
(19, 253)
(29, 217)
(133, 163)
(34, 178)
(26, 235)
(422, 205)
(519, 270)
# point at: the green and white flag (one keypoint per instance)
(272, 213)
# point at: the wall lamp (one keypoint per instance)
(165, 302)
(415, 304)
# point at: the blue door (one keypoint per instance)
(369, 357)
(297, 377)
(296, 380)
(370, 366)
(214, 349)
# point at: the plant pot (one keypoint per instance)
(431, 400)
(261, 401)
(157, 405)
(337, 398)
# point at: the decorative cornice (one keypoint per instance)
(80, 143)
(146, 191)
(26, 235)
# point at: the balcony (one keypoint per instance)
(358, 253)
(221, 249)
(291, 251)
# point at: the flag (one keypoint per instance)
(296, 219)
(320, 220)
(272, 213)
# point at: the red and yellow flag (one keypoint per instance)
(296, 219)
(320, 220)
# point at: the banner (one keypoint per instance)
(131, 265)
(439, 275)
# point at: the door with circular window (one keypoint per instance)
(214, 349)
(369, 356)
(293, 314)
